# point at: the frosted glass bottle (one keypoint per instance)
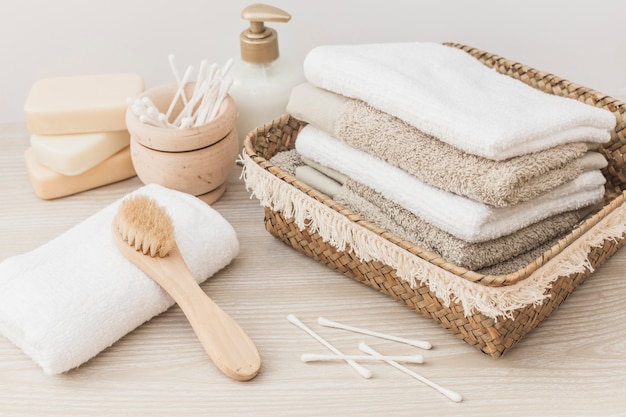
(262, 81)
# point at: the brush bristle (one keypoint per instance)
(145, 225)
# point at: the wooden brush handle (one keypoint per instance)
(226, 343)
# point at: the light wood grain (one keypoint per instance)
(573, 364)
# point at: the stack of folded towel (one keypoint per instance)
(427, 142)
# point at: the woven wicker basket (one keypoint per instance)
(493, 336)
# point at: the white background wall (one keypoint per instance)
(581, 40)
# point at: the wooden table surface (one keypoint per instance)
(573, 364)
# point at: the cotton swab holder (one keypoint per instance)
(196, 159)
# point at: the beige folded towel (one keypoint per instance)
(498, 183)
(474, 256)
(502, 255)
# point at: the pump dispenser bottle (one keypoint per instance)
(262, 80)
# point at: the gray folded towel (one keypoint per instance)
(474, 256)
(502, 255)
(497, 183)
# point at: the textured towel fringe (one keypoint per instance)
(345, 236)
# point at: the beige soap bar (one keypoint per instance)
(49, 184)
(77, 153)
(87, 103)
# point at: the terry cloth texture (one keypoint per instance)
(448, 94)
(378, 210)
(76, 295)
(466, 219)
(498, 183)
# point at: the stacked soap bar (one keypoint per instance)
(79, 139)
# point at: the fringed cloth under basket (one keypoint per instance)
(490, 312)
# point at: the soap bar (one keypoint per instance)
(49, 184)
(88, 103)
(77, 153)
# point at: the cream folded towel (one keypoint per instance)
(388, 215)
(448, 94)
(466, 219)
(498, 183)
(76, 295)
(318, 180)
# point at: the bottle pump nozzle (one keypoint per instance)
(259, 43)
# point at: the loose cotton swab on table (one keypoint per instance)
(314, 357)
(364, 372)
(417, 343)
(448, 393)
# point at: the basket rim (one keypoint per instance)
(470, 275)
(614, 105)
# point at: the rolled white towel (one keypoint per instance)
(76, 295)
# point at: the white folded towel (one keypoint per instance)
(74, 296)
(447, 93)
(466, 219)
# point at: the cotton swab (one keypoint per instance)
(148, 120)
(201, 107)
(188, 112)
(213, 103)
(453, 396)
(208, 100)
(417, 343)
(147, 112)
(180, 92)
(314, 357)
(224, 87)
(364, 372)
(226, 67)
(171, 58)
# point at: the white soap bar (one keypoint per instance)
(49, 184)
(75, 154)
(88, 103)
